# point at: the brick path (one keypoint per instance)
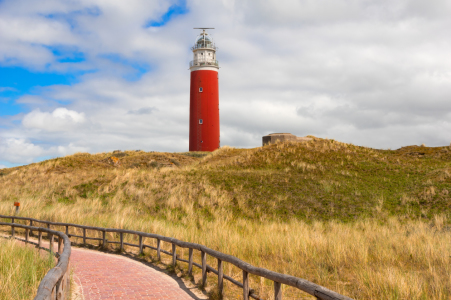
(109, 276)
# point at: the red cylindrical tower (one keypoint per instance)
(204, 96)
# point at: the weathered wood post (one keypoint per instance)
(190, 263)
(67, 230)
(59, 289)
(13, 231)
(204, 268)
(277, 290)
(51, 243)
(220, 277)
(68, 281)
(39, 239)
(140, 244)
(31, 224)
(245, 285)
(104, 243)
(60, 245)
(174, 255)
(158, 249)
(48, 234)
(121, 236)
(84, 236)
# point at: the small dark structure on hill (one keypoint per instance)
(282, 137)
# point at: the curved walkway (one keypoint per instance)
(108, 276)
(101, 275)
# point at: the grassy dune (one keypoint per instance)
(21, 270)
(371, 224)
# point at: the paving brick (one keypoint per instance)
(109, 276)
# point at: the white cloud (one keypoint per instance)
(61, 119)
(19, 150)
(3, 167)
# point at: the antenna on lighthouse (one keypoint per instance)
(204, 33)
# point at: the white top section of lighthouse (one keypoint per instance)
(204, 52)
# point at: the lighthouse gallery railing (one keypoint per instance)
(203, 63)
(309, 287)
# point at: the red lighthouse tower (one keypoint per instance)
(204, 95)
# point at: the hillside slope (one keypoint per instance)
(321, 179)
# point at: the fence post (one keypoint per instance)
(121, 235)
(39, 239)
(31, 224)
(158, 249)
(277, 290)
(68, 281)
(104, 239)
(48, 234)
(51, 242)
(220, 277)
(60, 245)
(190, 264)
(67, 230)
(140, 245)
(204, 268)
(84, 236)
(13, 232)
(174, 255)
(245, 285)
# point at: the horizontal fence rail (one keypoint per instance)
(311, 288)
(56, 283)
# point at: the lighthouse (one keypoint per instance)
(204, 95)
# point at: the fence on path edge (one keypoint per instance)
(311, 288)
(56, 283)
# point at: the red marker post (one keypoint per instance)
(17, 205)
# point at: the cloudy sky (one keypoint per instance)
(101, 75)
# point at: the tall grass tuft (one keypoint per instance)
(21, 270)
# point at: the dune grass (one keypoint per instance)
(21, 270)
(367, 223)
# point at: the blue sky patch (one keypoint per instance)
(173, 11)
(67, 54)
(8, 164)
(16, 82)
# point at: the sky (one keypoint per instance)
(103, 75)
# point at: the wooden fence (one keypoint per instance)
(56, 283)
(311, 288)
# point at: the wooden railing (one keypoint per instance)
(311, 288)
(56, 283)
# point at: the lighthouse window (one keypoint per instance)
(201, 121)
(201, 90)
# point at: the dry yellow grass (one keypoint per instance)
(304, 210)
(21, 270)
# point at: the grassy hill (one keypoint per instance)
(358, 220)
(318, 180)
